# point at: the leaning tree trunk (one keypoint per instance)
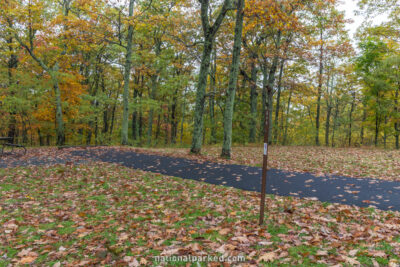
(127, 75)
(233, 76)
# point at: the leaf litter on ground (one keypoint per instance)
(105, 214)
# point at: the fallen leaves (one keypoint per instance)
(27, 260)
(267, 257)
(126, 217)
(224, 231)
(27, 256)
(350, 261)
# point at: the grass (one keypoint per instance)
(103, 214)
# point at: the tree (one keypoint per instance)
(209, 33)
(127, 75)
(233, 75)
(52, 69)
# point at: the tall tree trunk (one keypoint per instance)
(141, 124)
(96, 130)
(335, 117)
(253, 100)
(385, 132)
(135, 117)
(12, 65)
(200, 97)
(353, 104)
(397, 124)
(269, 92)
(139, 120)
(25, 139)
(278, 99)
(377, 124)
(106, 107)
(264, 97)
(233, 77)
(153, 93)
(364, 119)
(151, 112)
(327, 123)
(158, 129)
(113, 116)
(320, 81)
(213, 139)
(93, 93)
(270, 106)
(183, 114)
(174, 120)
(48, 138)
(59, 114)
(166, 124)
(105, 120)
(41, 138)
(127, 76)
(209, 36)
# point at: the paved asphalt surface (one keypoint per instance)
(384, 195)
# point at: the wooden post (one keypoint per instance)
(265, 166)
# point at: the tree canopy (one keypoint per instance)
(198, 72)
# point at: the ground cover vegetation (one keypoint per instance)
(80, 215)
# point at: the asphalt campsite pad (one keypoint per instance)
(361, 192)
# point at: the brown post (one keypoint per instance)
(265, 166)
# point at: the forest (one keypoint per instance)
(200, 133)
(195, 73)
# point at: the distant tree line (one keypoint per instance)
(155, 73)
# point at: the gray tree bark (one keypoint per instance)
(253, 100)
(127, 75)
(320, 81)
(213, 74)
(233, 77)
(209, 37)
(278, 98)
